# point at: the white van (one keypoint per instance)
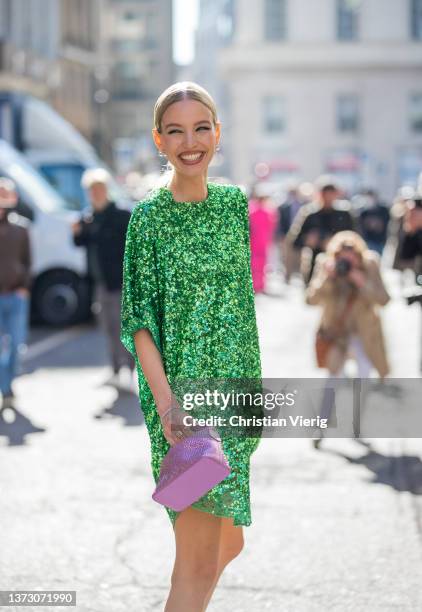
(53, 146)
(60, 292)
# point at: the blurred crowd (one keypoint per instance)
(337, 246)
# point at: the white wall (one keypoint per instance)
(309, 71)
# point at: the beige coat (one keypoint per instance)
(362, 319)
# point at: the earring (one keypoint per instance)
(217, 148)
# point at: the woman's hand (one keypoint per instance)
(357, 277)
(172, 422)
(330, 268)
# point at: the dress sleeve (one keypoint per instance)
(140, 302)
(244, 213)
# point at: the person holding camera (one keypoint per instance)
(347, 283)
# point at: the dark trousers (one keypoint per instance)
(109, 306)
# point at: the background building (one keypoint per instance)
(214, 33)
(140, 64)
(100, 63)
(329, 86)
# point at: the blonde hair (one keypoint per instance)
(346, 238)
(184, 90)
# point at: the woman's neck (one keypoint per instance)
(188, 189)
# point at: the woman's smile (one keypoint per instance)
(193, 158)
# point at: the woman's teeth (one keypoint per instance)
(191, 157)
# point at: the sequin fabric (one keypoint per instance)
(187, 278)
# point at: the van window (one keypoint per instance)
(66, 179)
(32, 188)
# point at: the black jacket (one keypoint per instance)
(412, 245)
(285, 218)
(104, 235)
(326, 222)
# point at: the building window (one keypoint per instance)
(127, 80)
(416, 112)
(416, 19)
(130, 16)
(275, 19)
(348, 19)
(274, 114)
(347, 113)
(127, 45)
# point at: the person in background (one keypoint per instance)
(262, 222)
(103, 233)
(411, 246)
(347, 283)
(317, 222)
(15, 281)
(402, 259)
(287, 212)
(411, 249)
(374, 218)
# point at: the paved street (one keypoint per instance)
(337, 529)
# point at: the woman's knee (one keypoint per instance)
(200, 573)
(232, 548)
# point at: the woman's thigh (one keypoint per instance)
(231, 540)
(197, 539)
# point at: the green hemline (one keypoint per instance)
(212, 514)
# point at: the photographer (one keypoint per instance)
(347, 284)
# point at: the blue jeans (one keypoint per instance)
(14, 309)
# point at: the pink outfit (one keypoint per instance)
(262, 221)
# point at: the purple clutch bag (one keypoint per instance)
(190, 469)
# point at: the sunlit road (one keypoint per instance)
(335, 529)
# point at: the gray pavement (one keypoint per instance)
(337, 529)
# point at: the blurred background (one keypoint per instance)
(330, 86)
(304, 88)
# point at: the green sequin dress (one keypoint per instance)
(187, 278)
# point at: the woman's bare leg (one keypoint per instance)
(196, 564)
(231, 545)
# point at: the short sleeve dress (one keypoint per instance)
(187, 278)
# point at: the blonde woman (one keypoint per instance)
(188, 312)
(349, 273)
(347, 283)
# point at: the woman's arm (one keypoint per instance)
(141, 318)
(373, 290)
(152, 366)
(168, 409)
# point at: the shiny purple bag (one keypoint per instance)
(191, 468)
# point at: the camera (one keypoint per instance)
(343, 267)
